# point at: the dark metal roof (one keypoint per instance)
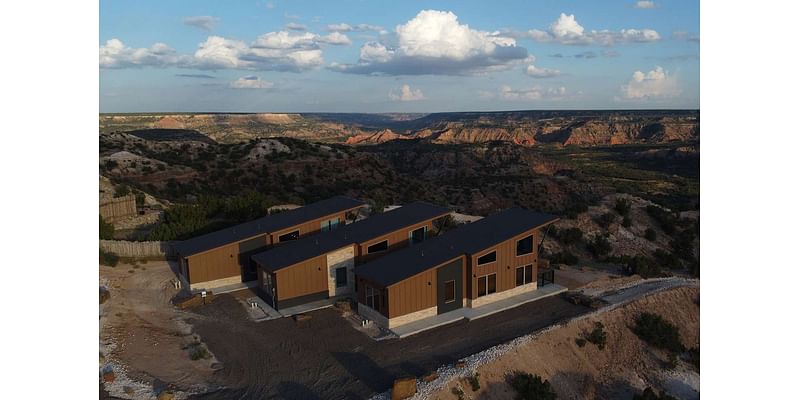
(290, 253)
(467, 239)
(270, 223)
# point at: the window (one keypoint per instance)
(525, 246)
(373, 298)
(487, 258)
(380, 246)
(341, 277)
(417, 235)
(449, 291)
(487, 284)
(289, 236)
(329, 225)
(524, 275)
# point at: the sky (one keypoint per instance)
(397, 56)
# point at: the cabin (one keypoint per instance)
(222, 258)
(322, 267)
(476, 264)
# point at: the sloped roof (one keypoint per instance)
(290, 253)
(467, 239)
(270, 223)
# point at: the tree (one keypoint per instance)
(532, 387)
(600, 246)
(650, 234)
(623, 207)
(444, 224)
(121, 190)
(106, 230)
(658, 332)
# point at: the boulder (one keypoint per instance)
(302, 317)
(404, 388)
(108, 376)
(430, 377)
(165, 395)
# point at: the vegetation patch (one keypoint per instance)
(474, 382)
(650, 394)
(597, 336)
(108, 258)
(658, 332)
(599, 246)
(531, 387)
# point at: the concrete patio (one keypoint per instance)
(422, 325)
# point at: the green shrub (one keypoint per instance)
(643, 267)
(683, 244)
(109, 259)
(197, 351)
(568, 236)
(458, 392)
(650, 234)
(474, 382)
(121, 190)
(599, 246)
(694, 357)
(664, 218)
(598, 336)
(650, 394)
(667, 259)
(657, 332)
(563, 257)
(580, 342)
(623, 207)
(531, 387)
(605, 220)
(626, 222)
(106, 230)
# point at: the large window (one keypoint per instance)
(449, 291)
(487, 258)
(329, 225)
(377, 247)
(294, 235)
(525, 246)
(524, 275)
(487, 284)
(341, 277)
(373, 298)
(417, 235)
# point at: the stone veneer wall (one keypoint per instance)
(210, 285)
(414, 316)
(483, 300)
(341, 258)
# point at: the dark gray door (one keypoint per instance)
(449, 287)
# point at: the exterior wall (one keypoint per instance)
(307, 228)
(301, 279)
(222, 262)
(505, 265)
(373, 315)
(209, 285)
(362, 297)
(413, 294)
(397, 239)
(415, 316)
(337, 259)
(483, 300)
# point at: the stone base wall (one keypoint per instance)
(337, 259)
(211, 285)
(483, 300)
(373, 315)
(414, 316)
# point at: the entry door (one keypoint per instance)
(449, 287)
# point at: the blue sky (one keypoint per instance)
(410, 56)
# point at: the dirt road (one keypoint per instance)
(325, 358)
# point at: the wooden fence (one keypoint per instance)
(118, 207)
(124, 248)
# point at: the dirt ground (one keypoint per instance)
(325, 358)
(143, 337)
(626, 366)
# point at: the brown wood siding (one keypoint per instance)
(414, 294)
(397, 240)
(506, 264)
(303, 278)
(309, 227)
(222, 262)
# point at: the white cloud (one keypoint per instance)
(567, 30)
(645, 4)
(535, 72)
(435, 42)
(353, 28)
(114, 54)
(535, 93)
(203, 22)
(335, 38)
(406, 93)
(251, 82)
(294, 26)
(276, 51)
(653, 84)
